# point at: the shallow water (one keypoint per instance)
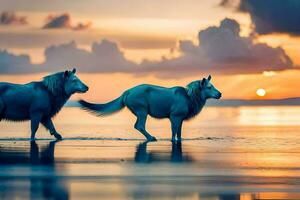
(227, 153)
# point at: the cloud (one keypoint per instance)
(103, 57)
(64, 21)
(82, 26)
(220, 50)
(270, 16)
(58, 21)
(15, 64)
(10, 18)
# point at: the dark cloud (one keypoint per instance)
(10, 18)
(58, 21)
(82, 26)
(220, 49)
(270, 16)
(64, 21)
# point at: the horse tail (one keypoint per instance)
(104, 109)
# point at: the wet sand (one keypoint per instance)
(98, 168)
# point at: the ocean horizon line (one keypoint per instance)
(293, 101)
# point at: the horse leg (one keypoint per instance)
(176, 125)
(140, 125)
(179, 131)
(1, 109)
(35, 120)
(50, 126)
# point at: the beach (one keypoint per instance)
(227, 153)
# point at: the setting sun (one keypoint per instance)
(261, 92)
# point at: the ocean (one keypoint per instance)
(226, 153)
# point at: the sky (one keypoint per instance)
(245, 45)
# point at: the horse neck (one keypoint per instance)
(61, 100)
(196, 105)
(57, 102)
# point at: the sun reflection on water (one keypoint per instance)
(272, 115)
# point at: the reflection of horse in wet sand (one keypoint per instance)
(39, 101)
(44, 183)
(51, 186)
(143, 156)
(176, 103)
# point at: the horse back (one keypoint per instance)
(5, 85)
(15, 92)
(159, 101)
(19, 100)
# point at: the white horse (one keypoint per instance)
(176, 103)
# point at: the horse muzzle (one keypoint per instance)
(219, 95)
(84, 89)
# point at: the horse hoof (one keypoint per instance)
(58, 136)
(175, 140)
(151, 139)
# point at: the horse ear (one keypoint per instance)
(66, 74)
(209, 78)
(74, 71)
(203, 82)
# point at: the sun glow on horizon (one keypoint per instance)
(261, 92)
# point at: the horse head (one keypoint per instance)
(73, 84)
(208, 90)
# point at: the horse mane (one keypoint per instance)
(54, 83)
(193, 90)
